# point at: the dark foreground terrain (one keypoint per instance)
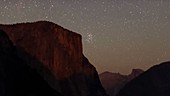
(153, 82)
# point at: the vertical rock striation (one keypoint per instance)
(56, 54)
(17, 78)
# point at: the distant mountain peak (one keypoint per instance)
(113, 82)
(136, 72)
(108, 72)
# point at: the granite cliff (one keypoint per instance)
(56, 54)
(16, 78)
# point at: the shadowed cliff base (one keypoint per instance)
(56, 54)
(76, 83)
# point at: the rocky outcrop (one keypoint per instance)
(57, 48)
(16, 78)
(113, 82)
(56, 54)
(153, 82)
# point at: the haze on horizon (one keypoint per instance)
(118, 35)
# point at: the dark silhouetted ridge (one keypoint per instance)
(153, 82)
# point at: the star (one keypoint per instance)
(89, 38)
(134, 28)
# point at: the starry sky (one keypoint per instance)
(118, 35)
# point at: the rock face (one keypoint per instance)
(18, 79)
(153, 82)
(56, 54)
(113, 82)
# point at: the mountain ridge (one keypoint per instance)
(153, 82)
(113, 82)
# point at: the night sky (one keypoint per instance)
(118, 35)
